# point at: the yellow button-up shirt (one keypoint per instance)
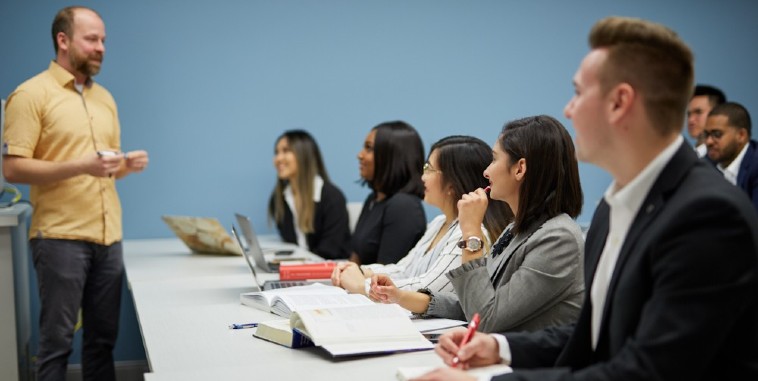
(47, 118)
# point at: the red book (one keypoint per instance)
(321, 270)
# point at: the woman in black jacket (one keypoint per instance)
(392, 219)
(308, 209)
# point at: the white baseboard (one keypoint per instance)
(125, 371)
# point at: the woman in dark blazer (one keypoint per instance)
(308, 209)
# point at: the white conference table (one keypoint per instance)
(185, 303)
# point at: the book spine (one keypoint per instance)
(303, 272)
(300, 340)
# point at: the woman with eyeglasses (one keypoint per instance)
(532, 276)
(392, 218)
(452, 170)
(308, 209)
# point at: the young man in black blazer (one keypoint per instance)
(671, 263)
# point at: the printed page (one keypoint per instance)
(263, 300)
(360, 324)
(311, 289)
(283, 305)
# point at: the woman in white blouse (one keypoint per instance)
(453, 168)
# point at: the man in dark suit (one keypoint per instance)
(671, 258)
(727, 135)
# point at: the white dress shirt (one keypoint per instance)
(733, 169)
(289, 197)
(624, 203)
(701, 150)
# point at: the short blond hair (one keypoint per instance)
(653, 60)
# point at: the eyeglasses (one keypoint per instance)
(429, 169)
(715, 134)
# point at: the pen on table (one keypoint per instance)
(243, 326)
(471, 329)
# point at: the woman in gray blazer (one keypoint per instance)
(532, 276)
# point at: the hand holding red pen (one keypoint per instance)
(469, 333)
(481, 350)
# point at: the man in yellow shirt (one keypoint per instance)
(62, 137)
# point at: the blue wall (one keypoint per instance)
(206, 87)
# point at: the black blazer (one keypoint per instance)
(387, 230)
(747, 177)
(683, 299)
(331, 236)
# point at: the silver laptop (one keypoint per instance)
(269, 284)
(254, 248)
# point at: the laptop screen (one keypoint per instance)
(246, 254)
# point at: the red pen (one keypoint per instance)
(487, 189)
(471, 329)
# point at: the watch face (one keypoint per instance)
(474, 244)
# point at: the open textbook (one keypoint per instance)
(411, 372)
(360, 330)
(283, 301)
(280, 332)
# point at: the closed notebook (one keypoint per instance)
(279, 332)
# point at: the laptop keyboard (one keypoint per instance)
(285, 284)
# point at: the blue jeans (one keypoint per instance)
(73, 274)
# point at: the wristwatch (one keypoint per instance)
(471, 244)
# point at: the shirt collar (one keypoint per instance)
(64, 77)
(318, 185)
(734, 166)
(633, 194)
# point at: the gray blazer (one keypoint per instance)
(540, 286)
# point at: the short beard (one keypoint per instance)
(84, 66)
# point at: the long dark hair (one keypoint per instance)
(309, 164)
(551, 185)
(462, 161)
(398, 159)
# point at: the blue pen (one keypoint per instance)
(243, 326)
